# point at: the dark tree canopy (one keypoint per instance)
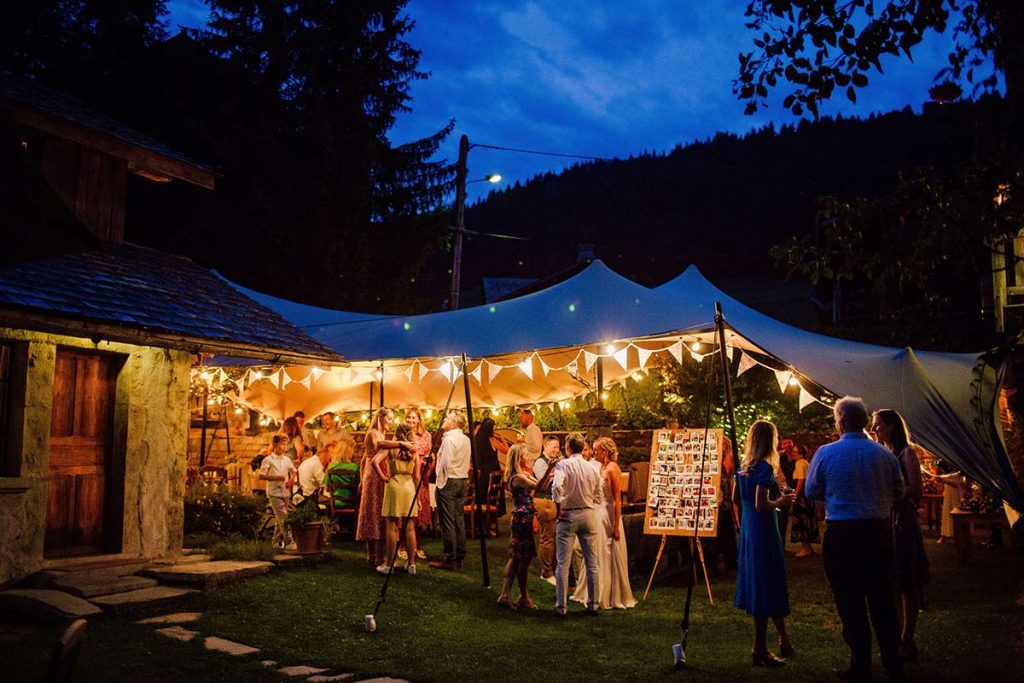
(819, 47)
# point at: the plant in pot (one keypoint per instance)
(308, 528)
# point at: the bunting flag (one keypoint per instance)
(782, 377)
(223, 376)
(307, 382)
(677, 351)
(446, 369)
(493, 370)
(477, 371)
(527, 366)
(620, 358)
(643, 355)
(277, 379)
(696, 356)
(746, 362)
(589, 359)
(805, 399)
(728, 352)
(423, 371)
(544, 367)
(573, 367)
(408, 371)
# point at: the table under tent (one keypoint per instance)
(546, 346)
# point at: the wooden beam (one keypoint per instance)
(138, 158)
(73, 327)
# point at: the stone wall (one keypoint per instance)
(150, 428)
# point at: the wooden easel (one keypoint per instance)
(704, 568)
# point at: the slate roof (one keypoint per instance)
(143, 289)
(68, 108)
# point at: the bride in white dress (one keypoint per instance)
(614, 591)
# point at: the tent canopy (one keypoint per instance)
(544, 347)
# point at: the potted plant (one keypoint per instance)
(308, 530)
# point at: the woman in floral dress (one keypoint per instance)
(521, 547)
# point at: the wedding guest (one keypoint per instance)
(786, 466)
(761, 572)
(859, 480)
(423, 444)
(332, 432)
(575, 489)
(616, 593)
(370, 524)
(547, 511)
(311, 474)
(399, 501)
(487, 457)
(308, 438)
(908, 546)
(951, 481)
(521, 548)
(532, 436)
(278, 470)
(452, 469)
(296, 450)
(804, 529)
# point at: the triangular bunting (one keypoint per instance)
(277, 379)
(589, 359)
(696, 356)
(527, 366)
(782, 377)
(408, 372)
(545, 368)
(308, 381)
(620, 358)
(728, 352)
(477, 371)
(677, 351)
(447, 369)
(805, 399)
(573, 367)
(746, 362)
(643, 355)
(423, 371)
(492, 370)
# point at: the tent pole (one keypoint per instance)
(202, 431)
(481, 526)
(381, 385)
(727, 380)
(600, 382)
(371, 399)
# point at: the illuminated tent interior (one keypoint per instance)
(545, 346)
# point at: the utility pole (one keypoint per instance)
(460, 222)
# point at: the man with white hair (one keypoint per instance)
(859, 480)
(452, 470)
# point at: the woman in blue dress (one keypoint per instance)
(761, 576)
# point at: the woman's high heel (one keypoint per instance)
(767, 658)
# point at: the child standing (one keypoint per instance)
(278, 470)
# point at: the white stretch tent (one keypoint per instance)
(538, 347)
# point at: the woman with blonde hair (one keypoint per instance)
(521, 548)
(761, 573)
(423, 442)
(370, 526)
(400, 481)
(616, 593)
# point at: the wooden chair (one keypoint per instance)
(342, 481)
(65, 653)
(489, 508)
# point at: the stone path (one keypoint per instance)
(171, 628)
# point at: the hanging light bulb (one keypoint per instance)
(205, 376)
(695, 346)
(378, 374)
(609, 348)
(258, 375)
(793, 381)
(317, 372)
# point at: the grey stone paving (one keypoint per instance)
(145, 598)
(300, 670)
(328, 678)
(89, 587)
(228, 646)
(208, 574)
(176, 618)
(178, 633)
(45, 604)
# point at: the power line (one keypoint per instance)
(538, 152)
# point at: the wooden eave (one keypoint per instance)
(77, 327)
(139, 158)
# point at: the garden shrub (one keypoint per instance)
(222, 511)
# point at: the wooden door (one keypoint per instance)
(81, 441)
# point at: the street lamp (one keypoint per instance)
(460, 216)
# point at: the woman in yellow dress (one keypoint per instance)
(401, 477)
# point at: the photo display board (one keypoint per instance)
(675, 483)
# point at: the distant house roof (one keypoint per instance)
(60, 114)
(139, 295)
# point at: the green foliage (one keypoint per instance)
(821, 47)
(222, 511)
(639, 401)
(305, 514)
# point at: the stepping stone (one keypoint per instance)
(143, 599)
(232, 648)
(384, 680)
(283, 560)
(208, 574)
(300, 670)
(178, 633)
(91, 587)
(46, 605)
(268, 662)
(184, 559)
(328, 679)
(176, 618)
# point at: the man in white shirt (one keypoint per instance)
(532, 436)
(452, 470)
(278, 471)
(311, 471)
(576, 490)
(331, 432)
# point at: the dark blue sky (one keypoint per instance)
(594, 77)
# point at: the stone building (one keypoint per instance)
(97, 338)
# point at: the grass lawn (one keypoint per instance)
(441, 626)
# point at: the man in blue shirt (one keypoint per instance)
(859, 480)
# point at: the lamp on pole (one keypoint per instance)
(460, 217)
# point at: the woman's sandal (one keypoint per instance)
(767, 658)
(506, 603)
(527, 604)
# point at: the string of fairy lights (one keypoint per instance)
(232, 384)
